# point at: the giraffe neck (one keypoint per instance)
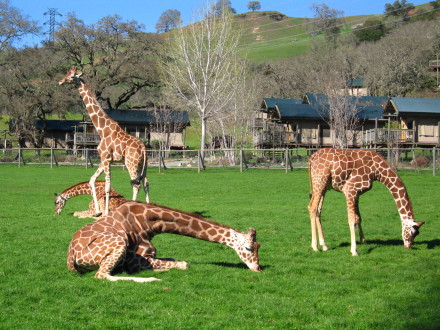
(98, 116)
(82, 188)
(395, 185)
(177, 222)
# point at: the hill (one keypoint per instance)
(271, 35)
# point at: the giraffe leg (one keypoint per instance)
(114, 254)
(358, 222)
(313, 211)
(319, 225)
(92, 185)
(159, 264)
(146, 186)
(84, 214)
(351, 210)
(107, 187)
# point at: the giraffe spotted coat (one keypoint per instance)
(122, 240)
(352, 172)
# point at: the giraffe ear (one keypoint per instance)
(252, 233)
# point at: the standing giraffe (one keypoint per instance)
(122, 240)
(84, 188)
(115, 144)
(352, 172)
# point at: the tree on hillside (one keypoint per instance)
(13, 25)
(371, 30)
(169, 19)
(221, 7)
(203, 68)
(327, 20)
(254, 5)
(118, 60)
(398, 8)
(400, 59)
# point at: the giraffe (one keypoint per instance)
(122, 240)
(115, 144)
(352, 172)
(84, 188)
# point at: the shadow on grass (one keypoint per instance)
(394, 242)
(230, 265)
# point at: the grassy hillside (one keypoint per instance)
(271, 35)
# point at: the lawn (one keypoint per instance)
(385, 287)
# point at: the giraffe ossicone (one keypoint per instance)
(122, 240)
(352, 172)
(115, 144)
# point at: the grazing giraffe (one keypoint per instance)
(122, 240)
(84, 188)
(115, 144)
(352, 172)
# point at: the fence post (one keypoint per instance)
(51, 157)
(241, 160)
(286, 157)
(434, 161)
(19, 156)
(160, 160)
(87, 158)
(198, 161)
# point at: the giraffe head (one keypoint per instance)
(410, 230)
(246, 246)
(60, 201)
(73, 75)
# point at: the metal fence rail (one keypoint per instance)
(283, 159)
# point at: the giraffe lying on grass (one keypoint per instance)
(84, 188)
(122, 240)
(352, 172)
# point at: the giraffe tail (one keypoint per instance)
(143, 173)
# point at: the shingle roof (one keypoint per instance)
(290, 111)
(270, 103)
(416, 105)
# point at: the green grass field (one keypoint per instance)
(385, 287)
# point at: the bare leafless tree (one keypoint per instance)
(203, 66)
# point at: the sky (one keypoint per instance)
(147, 12)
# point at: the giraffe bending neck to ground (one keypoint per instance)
(115, 144)
(84, 188)
(122, 240)
(352, 172)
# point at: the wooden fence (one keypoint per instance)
(243, 159)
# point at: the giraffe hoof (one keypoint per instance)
(324, 248)
(354, 254)
(98, 214)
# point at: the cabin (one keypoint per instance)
(382, 121)
(150, 126)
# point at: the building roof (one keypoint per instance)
(356, 82)
(297, 111)
(414, 105)
(149, 116)
(59, 125)
(322, 100)
(270, 103)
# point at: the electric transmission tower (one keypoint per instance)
(53, 13)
